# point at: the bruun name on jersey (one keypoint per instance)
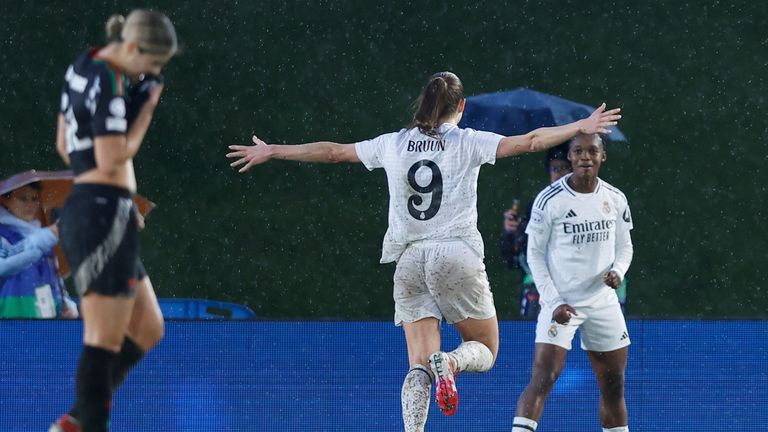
(425, 145)
(589, 231)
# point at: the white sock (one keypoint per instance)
(617, 429)
(414, 398)
(522, 424)
(472, 356)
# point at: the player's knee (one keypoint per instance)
(612, 385)
(492, 344)
(494, 352)
(148, 335)
(110, 343)
(108, 340)
(542, 381)
(155, 334)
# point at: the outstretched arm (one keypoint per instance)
(544, 138)
(260, 152)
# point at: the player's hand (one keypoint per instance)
(69, 311)
(154, 94)
(140, 223)
(256, 154)
(612, 279)
(147, 93)
(563, 314)
(147, 108)
(599, 121)
(511, 221)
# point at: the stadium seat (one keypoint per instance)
(189, 308)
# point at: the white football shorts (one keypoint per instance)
(441, 279)
(601, 326)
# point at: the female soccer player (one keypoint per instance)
(98, 136)
(579, 250)
(432, 168)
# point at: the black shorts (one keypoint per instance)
(100, 239)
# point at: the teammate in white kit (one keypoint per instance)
(432, 168)
(579, 250)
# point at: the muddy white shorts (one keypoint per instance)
(601, 326)
(441, 279)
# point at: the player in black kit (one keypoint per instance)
(107, 103)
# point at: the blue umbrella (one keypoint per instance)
(520, 111)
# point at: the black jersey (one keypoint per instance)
(94, 104)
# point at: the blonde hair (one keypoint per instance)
(152, 31)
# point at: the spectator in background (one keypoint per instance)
(514, 241)
(30, 285)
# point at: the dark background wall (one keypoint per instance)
(297, 240)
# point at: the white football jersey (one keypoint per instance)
(432, 183)
(574, 238)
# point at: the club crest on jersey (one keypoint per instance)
(117, 107)
(552, 330)
(606, 207)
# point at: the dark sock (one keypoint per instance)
(94, 388)
(129, 355)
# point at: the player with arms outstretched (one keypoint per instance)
(432, 168)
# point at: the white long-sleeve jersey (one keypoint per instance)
(574, 238)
